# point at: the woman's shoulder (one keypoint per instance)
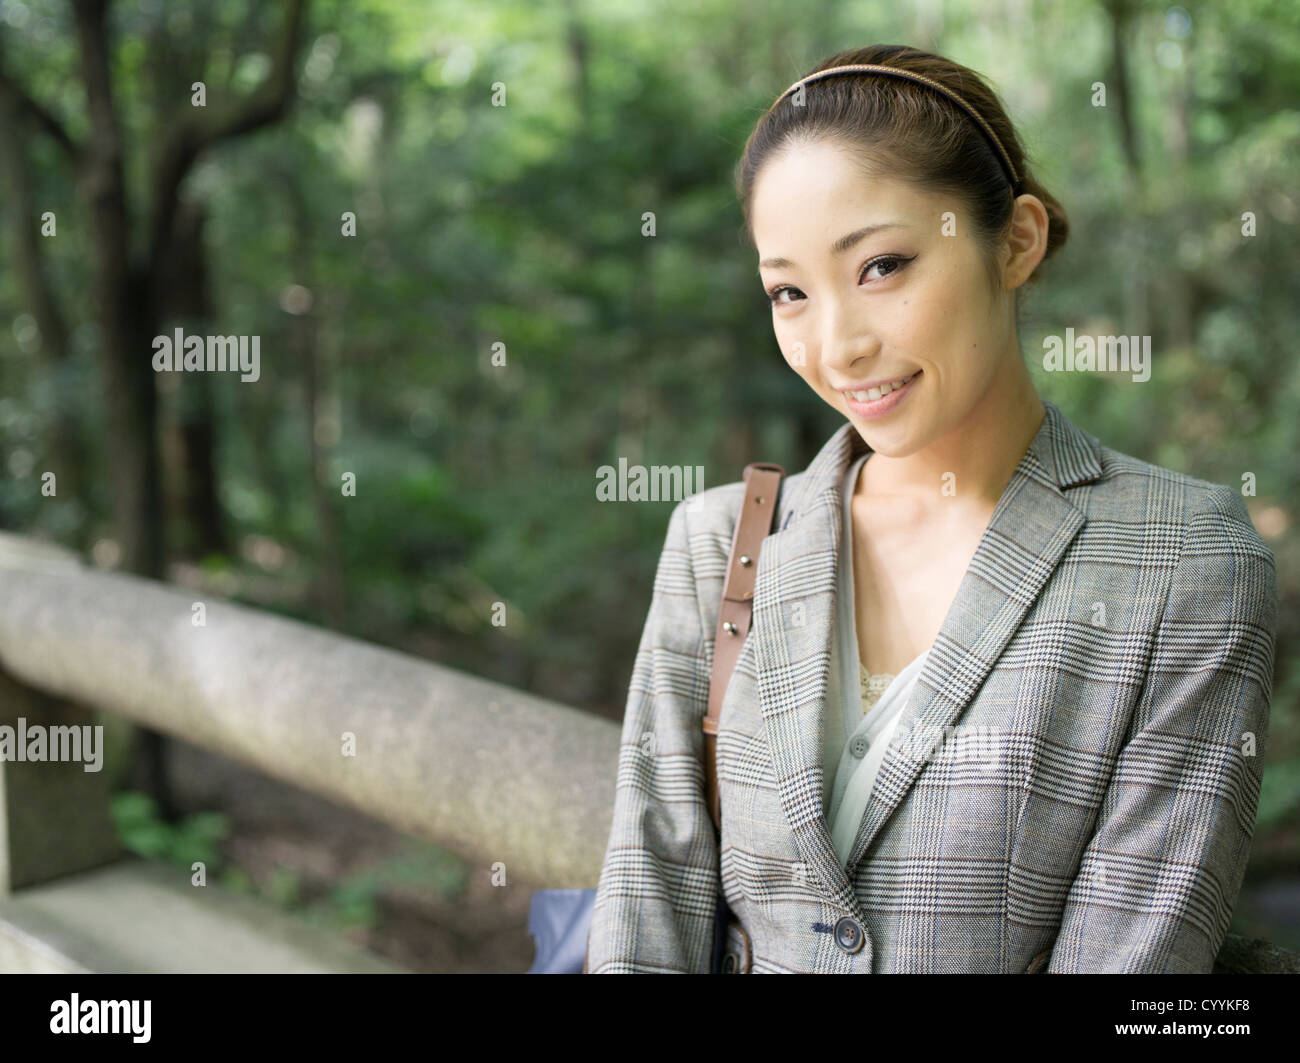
(1146, 498)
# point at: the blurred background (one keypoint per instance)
(350, 193)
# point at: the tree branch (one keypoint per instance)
(102, 175)
(271, 101)
(195, 133)
(13, 94)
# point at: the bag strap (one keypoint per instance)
(757, 513)
(762, 485)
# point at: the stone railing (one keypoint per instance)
(497, 775)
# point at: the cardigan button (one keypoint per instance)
(848, 935)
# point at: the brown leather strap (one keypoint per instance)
(762, 484)
(757, 512)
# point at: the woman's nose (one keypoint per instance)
(843, 339)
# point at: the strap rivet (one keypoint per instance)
(746, 560)
(729, 627)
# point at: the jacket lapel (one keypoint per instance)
(793, 629)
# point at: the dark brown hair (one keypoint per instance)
(898, 127)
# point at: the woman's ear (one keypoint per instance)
(1026, 241)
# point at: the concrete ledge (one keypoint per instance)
(493, 773)
(138, 917)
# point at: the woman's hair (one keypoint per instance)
(900, 128)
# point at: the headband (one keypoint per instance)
(920, 79)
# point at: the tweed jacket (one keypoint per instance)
(1072, 784)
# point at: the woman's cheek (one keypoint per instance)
(794, 351)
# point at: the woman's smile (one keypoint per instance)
(880, 401)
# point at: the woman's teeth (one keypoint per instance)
(875, 393)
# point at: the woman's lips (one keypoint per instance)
(886, 403)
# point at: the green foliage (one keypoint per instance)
(353, 902)
(1279, 796)
(197, 837)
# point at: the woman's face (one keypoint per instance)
(900, 299)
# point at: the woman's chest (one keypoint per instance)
(904, 582)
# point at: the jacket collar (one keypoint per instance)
(794, 606)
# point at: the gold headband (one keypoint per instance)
(920, 79)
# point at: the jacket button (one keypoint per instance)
(848, 935)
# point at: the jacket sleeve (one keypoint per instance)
(1160, 876)
(655, 904)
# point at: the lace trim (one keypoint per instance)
(874, 684)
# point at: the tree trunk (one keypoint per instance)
(187, 298)
(1138, 311)
(125, 311)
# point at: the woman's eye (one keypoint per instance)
(896, 261)
(893, 262)
(775, 294)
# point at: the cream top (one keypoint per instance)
(856, 737)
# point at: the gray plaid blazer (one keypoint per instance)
(1074, 779)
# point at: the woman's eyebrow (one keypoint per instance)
(839, 246)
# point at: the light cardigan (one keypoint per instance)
(851, 726)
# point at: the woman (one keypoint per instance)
(1003, 703)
